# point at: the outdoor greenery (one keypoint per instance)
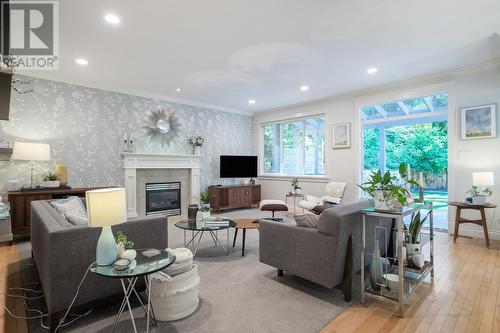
(423, 146)
(295, 148)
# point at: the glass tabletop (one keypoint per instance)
(219, 223)
(147, 261)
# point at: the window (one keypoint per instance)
(295, 147)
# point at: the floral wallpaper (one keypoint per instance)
(86, 128)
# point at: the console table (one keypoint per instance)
(234, 196)
(20, 204)
(409, 277)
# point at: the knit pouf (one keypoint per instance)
(175, 296)
(183, 261)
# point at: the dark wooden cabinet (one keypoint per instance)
(20, 205)
(233, 196)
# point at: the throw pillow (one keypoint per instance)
(71, 208)
(77, 219)
(307, 221)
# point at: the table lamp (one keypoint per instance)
(483, 179)
(106, 207)
(30, 151)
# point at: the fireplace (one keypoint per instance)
(163, 198)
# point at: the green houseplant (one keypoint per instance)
(389, 192)
(50, 180)
(204, 201)
(295, 186)
(479, 196)
(412, 242)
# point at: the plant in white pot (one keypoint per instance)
(204, 205)
(50, 180)
(389, 192)
(295, 185)
(479, 196)
(413, 245)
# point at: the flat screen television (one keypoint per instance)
(232, 166)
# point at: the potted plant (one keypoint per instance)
(412, 242)
(124, 246)
(50, 180)
(479, 196)
(196, 142)
(204, 205)
(295, 186)
(389, 192)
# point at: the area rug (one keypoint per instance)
(237, 294)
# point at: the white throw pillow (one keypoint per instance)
(307, 221)
(72, 209)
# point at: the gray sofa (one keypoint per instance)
(328, 255)
(62, 253)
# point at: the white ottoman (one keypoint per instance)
(174, 291)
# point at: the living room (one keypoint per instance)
(161, 172)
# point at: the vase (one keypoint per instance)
(192, 211)
(376, 272)
(479, 200)
(196, 150)
(205, 211)
(412, 249)
(62, 174)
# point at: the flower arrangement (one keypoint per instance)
(196, 141)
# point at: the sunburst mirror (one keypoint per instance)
(162, 126)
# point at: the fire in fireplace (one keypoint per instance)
(163, 198)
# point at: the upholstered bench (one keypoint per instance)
(273, 206)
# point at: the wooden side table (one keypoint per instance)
(244, 224)
(481, 222)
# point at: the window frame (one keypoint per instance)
(267, 175)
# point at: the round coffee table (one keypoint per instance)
(244, 224)
(211, 226)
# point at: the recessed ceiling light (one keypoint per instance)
(304, 88)
(372, 70)
(112, 18)
(251, 101)
(81, 61)
(178, 89)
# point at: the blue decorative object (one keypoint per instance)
(106, 247)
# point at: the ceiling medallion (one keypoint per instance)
(162, 126)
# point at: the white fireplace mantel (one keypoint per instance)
(134, 161)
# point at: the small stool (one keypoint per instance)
(273, 206)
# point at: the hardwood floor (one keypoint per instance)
(465, 296)
(10, 278)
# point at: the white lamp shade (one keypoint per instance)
(483, 179)
(30, 151)
(106, 207)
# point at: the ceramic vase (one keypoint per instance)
(376, 272)
(196, 150)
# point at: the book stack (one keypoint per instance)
(220, 222)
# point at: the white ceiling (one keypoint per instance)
(225, 52)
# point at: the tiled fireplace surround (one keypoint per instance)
(140, 169)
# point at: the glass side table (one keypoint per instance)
(294, 196)
(142, 266)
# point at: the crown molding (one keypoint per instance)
(435, 79)
(138, 93)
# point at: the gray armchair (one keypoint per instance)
(329, 255)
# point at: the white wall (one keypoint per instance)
(466, 87)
